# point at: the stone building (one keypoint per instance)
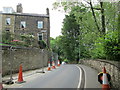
(19, 23)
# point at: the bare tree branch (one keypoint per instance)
(94, 8)
(94, 16)
(102, 18)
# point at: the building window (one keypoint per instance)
(7, 21)
(7, 29)
(40, 36)
(40, 24)
(22, 24)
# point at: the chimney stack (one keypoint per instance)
(19, 8)
(47, 10)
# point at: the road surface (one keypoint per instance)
(66, 76)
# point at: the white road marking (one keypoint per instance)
(80, 78)
(85, 77)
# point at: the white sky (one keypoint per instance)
(39, 6)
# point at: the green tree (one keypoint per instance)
(56, 46)
(70, 32)
(96, 33)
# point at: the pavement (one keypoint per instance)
(62, 75)
(26, 75)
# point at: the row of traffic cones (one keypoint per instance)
(20, 75)
(105, 83)
(53, 65)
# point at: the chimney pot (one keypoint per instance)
(19, 8)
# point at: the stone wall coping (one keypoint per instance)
(17, 47)
(109, 62)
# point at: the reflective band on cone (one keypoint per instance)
(53, 65)
(105, 84)
(49, 68)
(58, 62)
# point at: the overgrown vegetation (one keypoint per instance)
(89, 31)
(18, 40)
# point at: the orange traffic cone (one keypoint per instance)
(1, 87)
(49, 68)
(20, 76)
(53, 65)
(105, 84)
(58, 63)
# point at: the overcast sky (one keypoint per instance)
(39, 6)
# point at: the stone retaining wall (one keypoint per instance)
(112, 68)
(29, 58)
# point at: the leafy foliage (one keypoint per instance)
(112, 50)
(42, 44)
(70, 31)
(23, 40)
(98, 50)
(56, 46)
(7, 37)
(80, 33)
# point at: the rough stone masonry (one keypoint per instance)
(112, 68)
(29, 58)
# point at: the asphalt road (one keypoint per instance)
(66, 76)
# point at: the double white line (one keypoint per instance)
(80, 78)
